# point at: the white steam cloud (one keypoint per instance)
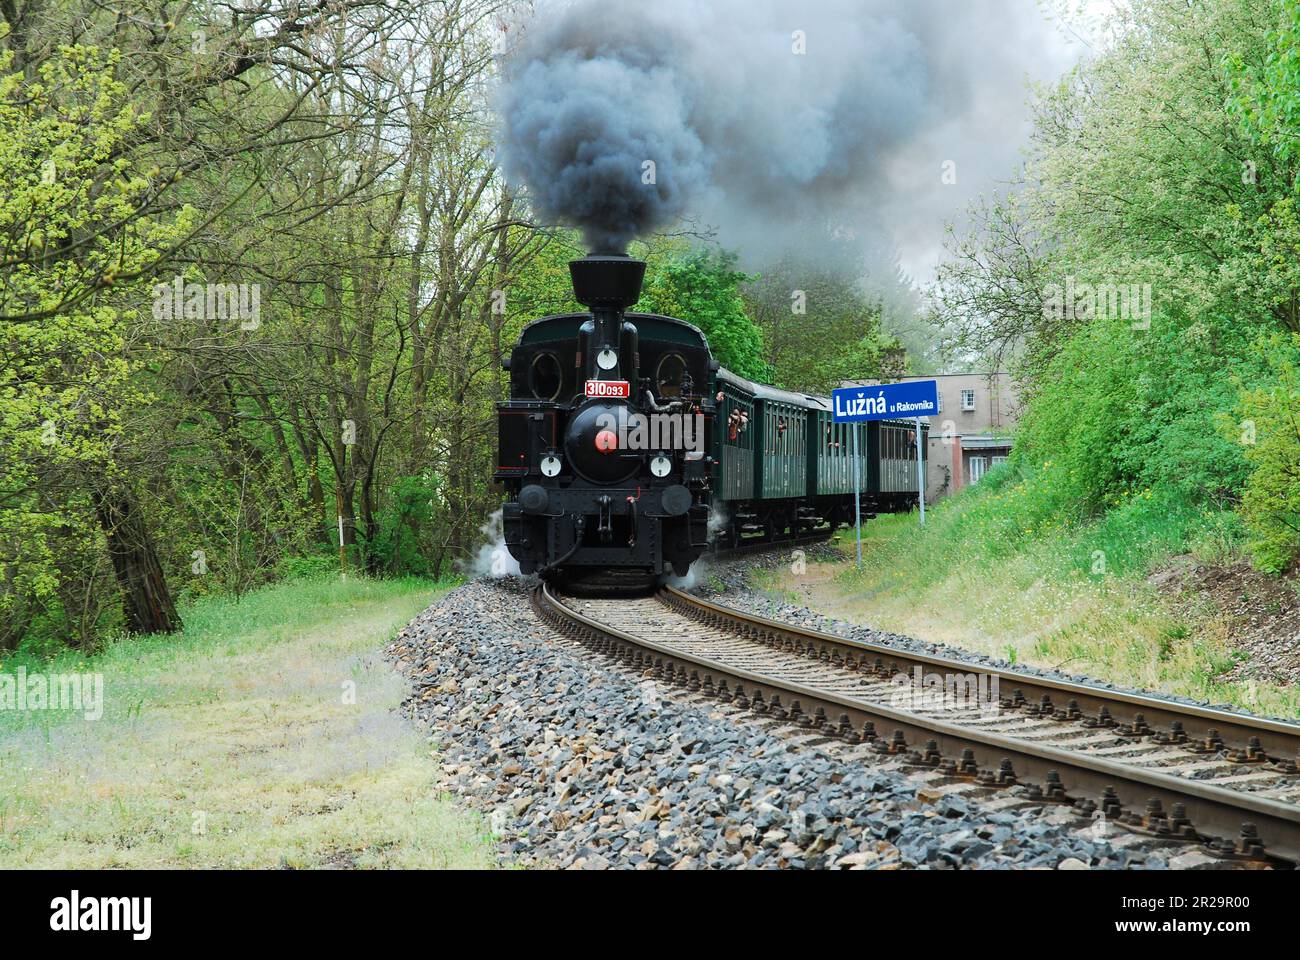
(493, 559)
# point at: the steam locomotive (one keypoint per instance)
(626, 449)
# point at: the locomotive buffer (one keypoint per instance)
(890, 401)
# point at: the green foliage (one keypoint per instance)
(1140, 175)
(1266, 97)
(543, 285)
(311, 566)
(819, 328)
(703, 287)
(406, 522)
(1270, 433)
(1079, 419)
(203, 455)
(1121, 408)
(67, 387)
(1272, 249)
(1031, 514)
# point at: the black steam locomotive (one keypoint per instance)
(625, 448)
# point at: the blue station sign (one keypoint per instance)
(915, 398)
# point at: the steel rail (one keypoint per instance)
(1171, 808)
(1273, 740)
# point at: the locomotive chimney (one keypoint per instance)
(607, 285)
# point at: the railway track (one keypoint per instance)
(1164, 770)
(759, 544)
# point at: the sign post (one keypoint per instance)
(920, 470)
(893, 401)
(857, 494)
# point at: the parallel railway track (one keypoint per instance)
(757, 544)
(1163, 769)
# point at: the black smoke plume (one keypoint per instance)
(752, 116)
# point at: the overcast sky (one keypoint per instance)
(986, 140)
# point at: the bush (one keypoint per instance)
(309, 567)
(1269, 432)
(405, 524)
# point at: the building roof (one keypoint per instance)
(972, 373)
(926, 376)
(977, 442)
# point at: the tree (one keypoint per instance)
(819, 326)
(66, 389)
(322, 154)
(702, 286)
(1144, 177)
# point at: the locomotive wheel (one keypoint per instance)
(777, 525)
(725, 538)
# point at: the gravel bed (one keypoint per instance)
(577, 763)
(727, 582)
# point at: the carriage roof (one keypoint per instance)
(764, 392)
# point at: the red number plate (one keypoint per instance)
(609, 388)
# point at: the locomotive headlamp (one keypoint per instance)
(661, 466)
(550, 465)
(607, 359)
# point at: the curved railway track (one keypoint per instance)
(1162, 769)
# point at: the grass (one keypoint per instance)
(1000, 569)
(265, 735)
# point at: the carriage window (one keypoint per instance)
(669, 375)
(545, 376)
